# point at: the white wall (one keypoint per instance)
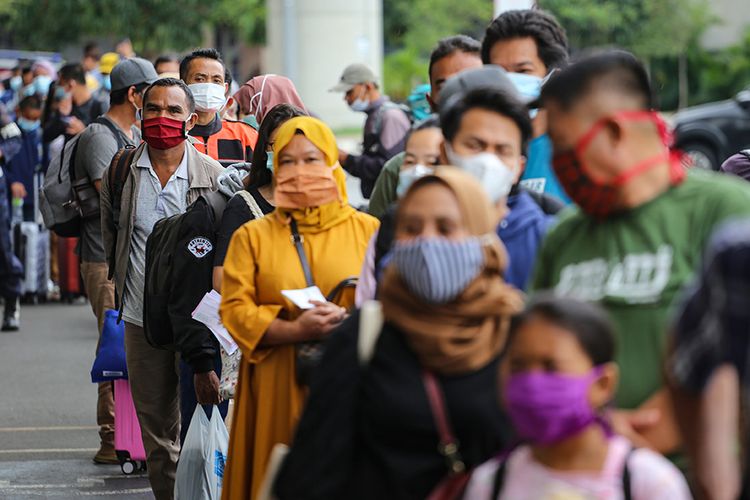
(734, 19)
(312, 41)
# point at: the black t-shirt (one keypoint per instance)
(235, 215)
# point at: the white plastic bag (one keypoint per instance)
(200, 471)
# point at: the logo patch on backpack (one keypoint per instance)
(200, 247)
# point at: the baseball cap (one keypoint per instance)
(488, 76)
(108, 61)
(131, 72)
(353, 75)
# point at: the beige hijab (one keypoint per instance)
(466, 334)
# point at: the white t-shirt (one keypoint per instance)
(652, 477)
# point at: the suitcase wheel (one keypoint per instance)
(128, 467)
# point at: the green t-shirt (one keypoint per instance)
(384, 192)
(636, 263)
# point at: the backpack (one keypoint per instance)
(199, 223)
(627, 482)
(65, 200)
(387, 105)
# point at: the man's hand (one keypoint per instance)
(343, 155)
(632, 424)
(17, 190)
(207, 388)
(75, 126)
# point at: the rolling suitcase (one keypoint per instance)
(31, 244)
(128, 441)
(69, 269)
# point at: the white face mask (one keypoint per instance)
(494, 175)
(209, 97)
(410, 174)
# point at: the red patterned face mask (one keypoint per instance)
(163, 132)
(596, 197)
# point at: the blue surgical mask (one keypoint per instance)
(410, 174)
(360, 104)
(438, 270)
(41, 84)
(28, 125)
(269, 160)
(106, 83)
(61, 95)
(16, 83)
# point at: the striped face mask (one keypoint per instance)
(437, 270)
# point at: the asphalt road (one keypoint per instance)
(48, 432)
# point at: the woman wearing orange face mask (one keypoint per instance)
(263, 260)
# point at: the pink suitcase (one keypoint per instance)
(128, 441)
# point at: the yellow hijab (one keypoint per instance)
(314, 219)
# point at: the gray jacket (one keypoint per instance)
(202, 174)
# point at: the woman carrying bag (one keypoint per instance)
(264, 259)
(374, 430)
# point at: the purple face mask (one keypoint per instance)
(546, 408)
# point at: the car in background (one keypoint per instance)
(711, 133)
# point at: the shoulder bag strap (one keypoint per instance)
(448, 442)
(499, 479)
(297, 240)
(627, 493)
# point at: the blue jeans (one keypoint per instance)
(188, 401)
(11, 269)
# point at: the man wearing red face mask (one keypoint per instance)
(165, 175)
(640, 226)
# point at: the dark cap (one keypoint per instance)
(354, 74)
(488, 76)
(133, 71)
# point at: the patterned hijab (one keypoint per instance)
(464, 335)
(260, 94)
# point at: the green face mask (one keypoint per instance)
(250, 120)
(269, 161)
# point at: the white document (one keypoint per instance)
(207, 312)
(303, 296)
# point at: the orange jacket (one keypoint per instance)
(226, 141)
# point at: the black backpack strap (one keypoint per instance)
(297, 240)
(627, 493)
(499, 479)
(101, 120)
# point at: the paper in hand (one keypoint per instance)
(207, 312)
(302, 297)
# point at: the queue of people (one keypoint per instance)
(542, 302)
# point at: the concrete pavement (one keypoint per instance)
(48, 432)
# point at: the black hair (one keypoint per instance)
(451, 45)
(207, 53)
(619, 70)
(48, 112)
(91, 49)
(72, 72)
(172, 82)
(588, 322)
(551, 42)
(259, 175)
(117, 97)
(432, 121)
(30, 102)
(166, 58)
(489, 99)
(228, 78)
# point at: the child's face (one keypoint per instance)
(423, 148)
(540, 345)
(31, 114)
